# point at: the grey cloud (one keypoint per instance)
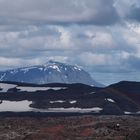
(36, 31)
(98, 12)
(134, 13)
(133, 62)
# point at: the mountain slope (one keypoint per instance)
(51, 72)
(128, 88)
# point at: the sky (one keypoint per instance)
(102, 36)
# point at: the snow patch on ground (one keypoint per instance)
(127, 113)
(72, 109)
(92, 92)
(131, 113)
(138, 112)
(22, 106)
(72, 102)
(58, 101)
(6, 87)
(15, 106)
(33, 89)
(110, 100)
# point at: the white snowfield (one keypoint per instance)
(33, 89)
(23, 106)
(5, 87)
(15, 106)
(73, 109)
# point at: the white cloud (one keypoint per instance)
(8, 61)
(102, 39)
(91, 59)
(65, 36)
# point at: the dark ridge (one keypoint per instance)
(129, 88)
(126, 84)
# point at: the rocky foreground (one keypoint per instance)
(70, 128)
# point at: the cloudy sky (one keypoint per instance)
(102, 36)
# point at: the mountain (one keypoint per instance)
(51, 72)
(69, 98)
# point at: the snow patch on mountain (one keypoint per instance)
(55, 67)
(2, 77)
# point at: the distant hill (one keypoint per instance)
(129, 88)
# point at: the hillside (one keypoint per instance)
(64, 98)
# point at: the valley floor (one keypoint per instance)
(70, 128)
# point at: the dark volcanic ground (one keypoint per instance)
(117, 99)
(70, 128)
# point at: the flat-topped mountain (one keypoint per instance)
(51, 72)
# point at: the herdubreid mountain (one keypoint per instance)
(51, 72)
